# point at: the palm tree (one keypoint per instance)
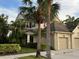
(76, 22)
(41, 19)
(35, 16)
(52, 12)
(69, 19)
(48, 29)
(39, 16)
(70, 22)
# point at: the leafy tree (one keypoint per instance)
(3, 28)
(17, 27)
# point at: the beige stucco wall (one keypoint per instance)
(65, 40)
(75, 38)
(55, 41)
(59, 40)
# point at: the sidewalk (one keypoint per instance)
(15, 56)
(66, 54)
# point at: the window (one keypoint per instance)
(30, 24)
(31, 39)
(33, 24)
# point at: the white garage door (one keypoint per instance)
(63, 43)
(76, 42)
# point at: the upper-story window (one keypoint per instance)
(30, 24)
(33, 24)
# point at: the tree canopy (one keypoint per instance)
(3, 28)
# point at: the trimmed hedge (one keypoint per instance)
(9, 48)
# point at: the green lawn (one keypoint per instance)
(27, 50)
(31, 57)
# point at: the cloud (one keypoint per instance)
(68, 7)
(12, 13)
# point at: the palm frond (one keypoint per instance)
(55, 10)
(27, 2)
(39, 1)
(23, 9)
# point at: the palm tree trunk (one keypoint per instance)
(48, 54)
(38, 41)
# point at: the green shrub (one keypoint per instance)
(43, 47)
(9, 48)
(34, 45)
(31, 45)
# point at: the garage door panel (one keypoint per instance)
(76, 43)
(63, 43)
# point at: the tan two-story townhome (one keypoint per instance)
(61, 37)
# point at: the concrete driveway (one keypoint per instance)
(68, 54)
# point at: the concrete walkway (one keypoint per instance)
(15, 56)
(63, 54)
(21, 55)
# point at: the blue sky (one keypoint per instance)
(10, 8)
(67, 7)
(10, 3)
